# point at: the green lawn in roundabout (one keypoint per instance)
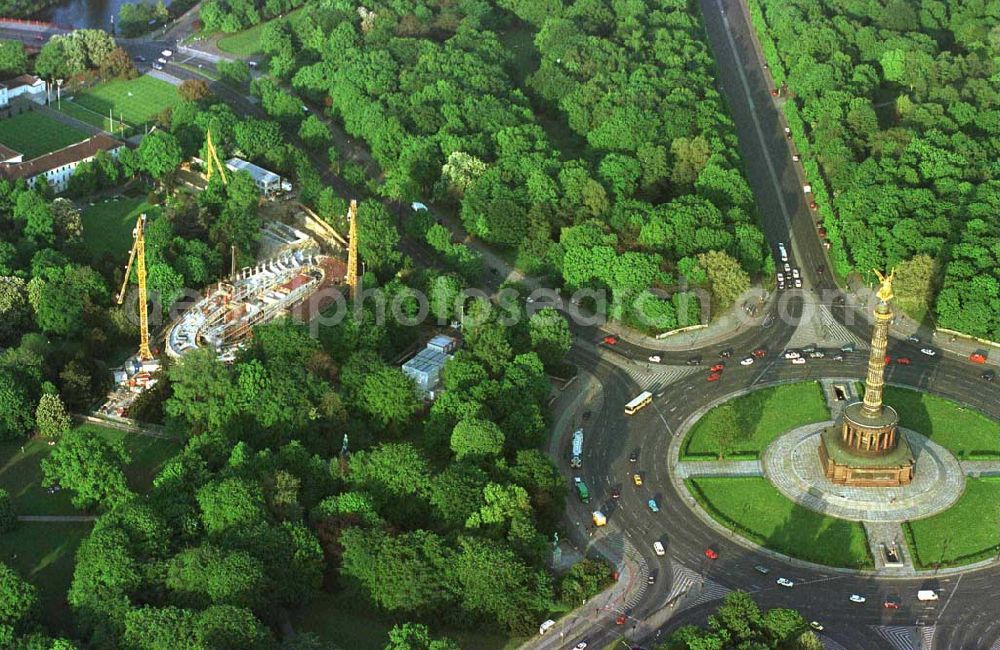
(754, 509)
(963, 431)
(967, 532)
(755, 419)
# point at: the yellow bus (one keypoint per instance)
(644, 398)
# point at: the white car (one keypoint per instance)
(816, 625)
(799, 361)
(157, 66)
(817, 354)
(161, 61)
(166, 53)
(798, 283)
(792, 354)
(655, 358)
(658, 548)
(787, 267)
(858, 598)
(785, 582)
(748, 361)
(795, 273)
(546, 626)
(929, 352)
(580, 646)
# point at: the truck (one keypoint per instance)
(581, 489)
(927, 594)
(576, 460)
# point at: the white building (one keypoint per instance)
(57, 166)
(266, 181)
(26, 85)
(425, 367)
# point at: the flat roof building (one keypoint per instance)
(266, 181)
(425, 367)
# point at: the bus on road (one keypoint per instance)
(644, 398)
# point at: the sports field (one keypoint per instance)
(134, 100)
(34, 133)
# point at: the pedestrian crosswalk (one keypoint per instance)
(819, 327)
(901, 637)
(691, 583)
(655, 377)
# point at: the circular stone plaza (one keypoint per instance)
(859, 468)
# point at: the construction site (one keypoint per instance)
(289, 279)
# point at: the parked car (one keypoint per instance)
(718, 367)
(634, 456)
(791, 354)
(817, 354)
(582, 645)
(746, 361)
(892, 601)
(931, 352)
(760, 568)
(161, 61)
(795, 274)
(652, 505)
(816, 625)
(903, 361)
(157, 66)
(977, 357)
(799, 361)
(715, 376)
(858, 598)
(838, 357)
(798, 283)
(655, 358)
(760, 353)
(725, 354)
(711, 554)
(658, 548)
(166, 53)
(785, 582)
(637, 479)
(989, 375)
(651, 578)
(616, 493)
(913, 339)
(849, 347)
(694, 361)
(610, 340)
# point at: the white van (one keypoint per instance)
(546, 626)
(783, 252)
(927, 594)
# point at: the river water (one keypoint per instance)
(93, 14)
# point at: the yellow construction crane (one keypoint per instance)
(213, 161)
(138, 255)
(352, 248)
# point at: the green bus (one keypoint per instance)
(581, 490)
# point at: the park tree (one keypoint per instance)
(726, 429)
(13, 58)
(914, 284)
(15, 311)
(66, 297)
(315, 133)
(230, 503)
(18, 599)
(159, 155)
(90, 467)
(8, 518)
(235, 72)
(476, 439)
(194, 90)
(414, 636)
(257, 137)
(550, 336)
(51, 418)
(117, 64)
(35, 216)
(15, 408)
(728, 280)
(388, 397)
(378, 237)
(66, 221)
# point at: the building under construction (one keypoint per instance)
(280, 286)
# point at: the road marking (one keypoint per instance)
(950, 596)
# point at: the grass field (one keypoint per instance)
(965, 432)
(34, 133)
(967, 532)
(336, 618)
(755, 509)
(247, 42)
(43, 554)
(107, 226)
(135, 100)
(762, 416)
(21, 474)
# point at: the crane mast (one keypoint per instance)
(352, 248)
(213, 162)
(138, 255)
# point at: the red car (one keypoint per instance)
(610, 340)
(977, 357)
(719, 367)
(903, 361)
(715, 376)
(888, 359)
(760, 353)
(892, 602)
(711, 554)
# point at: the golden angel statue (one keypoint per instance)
(885, 291)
